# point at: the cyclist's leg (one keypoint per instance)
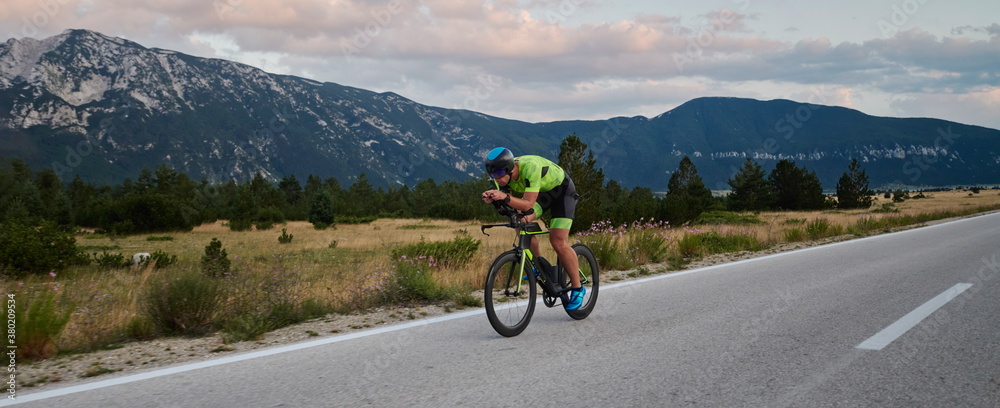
(559, 238)
(563, 210)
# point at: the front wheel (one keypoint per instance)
(589, 277)
(509, 299)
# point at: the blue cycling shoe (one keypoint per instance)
(576, 298)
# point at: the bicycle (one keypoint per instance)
(510, 291)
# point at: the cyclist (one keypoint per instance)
(543, 186)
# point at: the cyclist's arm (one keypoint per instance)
(524, 203)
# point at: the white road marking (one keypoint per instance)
(230, 359)
(905, 323)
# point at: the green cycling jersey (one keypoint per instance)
(536, 174)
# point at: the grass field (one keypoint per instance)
(349, 267)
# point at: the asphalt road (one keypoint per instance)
(778, 331)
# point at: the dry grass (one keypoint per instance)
(342, 274)
(776, 223)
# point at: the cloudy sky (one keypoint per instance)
(544, 60)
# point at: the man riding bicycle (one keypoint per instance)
(543, 186)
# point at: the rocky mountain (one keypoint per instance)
(104, 107)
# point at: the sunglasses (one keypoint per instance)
(499, 173)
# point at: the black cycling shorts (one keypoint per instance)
(560, 202)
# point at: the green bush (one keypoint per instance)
(312, 308)
(795, 235)
(726, 217)
(285, 237)
(215, 263)
(121, 228)
(706, 243)
(456, 252)
(608, 252)
(182, 304)
(716, 243)
(140, 328)
(691, 246)
(899, 196)
(26, 249)
(464, 298)
(270, 214)
(111, 260)
(240, 224)
(822, 228)
(41, 325)
(356, 220)
(864, 226)
(250, 326)
(260, 302)
(162, 259)
(246, 328)
(414, 280)
(647, 245)
(625, 246)
(159, 238)
(886, 208)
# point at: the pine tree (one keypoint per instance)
(362, 197)
(581, 166)
(687, 197)
(290, 187)
(852, 189)
(796, 188)
(751, 191)
(321, 212)
(215, 263)
(56, 206)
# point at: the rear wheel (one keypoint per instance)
(589, 278)
(509, 299)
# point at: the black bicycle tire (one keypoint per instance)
(595, 281)
(504, 329)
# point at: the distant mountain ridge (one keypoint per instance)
(103, 107)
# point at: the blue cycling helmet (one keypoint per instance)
(499, 162)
